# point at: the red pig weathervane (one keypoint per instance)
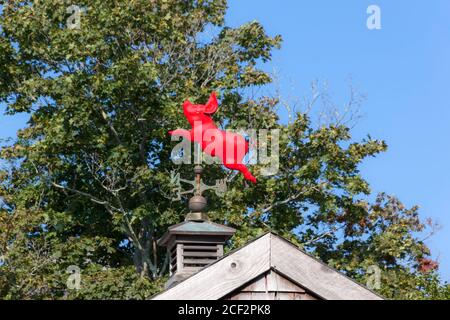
(229, 147)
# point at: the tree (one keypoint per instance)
(87, 182)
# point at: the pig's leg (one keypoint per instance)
(243, 169)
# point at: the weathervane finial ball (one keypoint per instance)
(197, 204)
(198, 169)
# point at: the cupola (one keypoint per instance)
(196, 242)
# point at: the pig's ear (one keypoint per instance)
(212, 104)
(187, 103)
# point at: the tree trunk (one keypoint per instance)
(143, 264)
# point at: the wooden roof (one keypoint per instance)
(270, 255)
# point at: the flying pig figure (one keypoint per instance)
(230, 147)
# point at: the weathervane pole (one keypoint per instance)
(197, 204)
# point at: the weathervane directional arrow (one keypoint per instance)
(220, 188)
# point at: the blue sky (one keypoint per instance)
(404, 69)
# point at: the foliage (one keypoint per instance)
(87, 182)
